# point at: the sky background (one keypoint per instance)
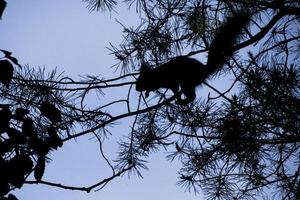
(64, 34)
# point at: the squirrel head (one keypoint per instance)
(145, 79)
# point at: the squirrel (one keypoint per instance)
(182, 74)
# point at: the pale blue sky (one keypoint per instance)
(63, 34)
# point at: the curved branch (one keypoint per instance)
(260, 34)
(120, 117)
(86, 189)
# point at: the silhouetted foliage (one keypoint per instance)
(20, 113)
(21, 147)
(101, 4)
(7, 55)
(6, 72)
(235, 141)
(51, 112)
(10, 197)
(40, 168)
(2, 7)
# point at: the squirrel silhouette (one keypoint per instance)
(182, 74)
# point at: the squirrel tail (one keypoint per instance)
(221, 47)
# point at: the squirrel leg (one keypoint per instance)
(177, 94)
(189, 93)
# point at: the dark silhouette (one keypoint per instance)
(5, 116)
(7, 54)
(2, 7)
(40, 168)
(186, 73)
(26, 145)
(53, 139)
(182, 72)
(20, 113)
(10, 197)
(17, 168)
(6, 72)
(27, 127)
(50, 111)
